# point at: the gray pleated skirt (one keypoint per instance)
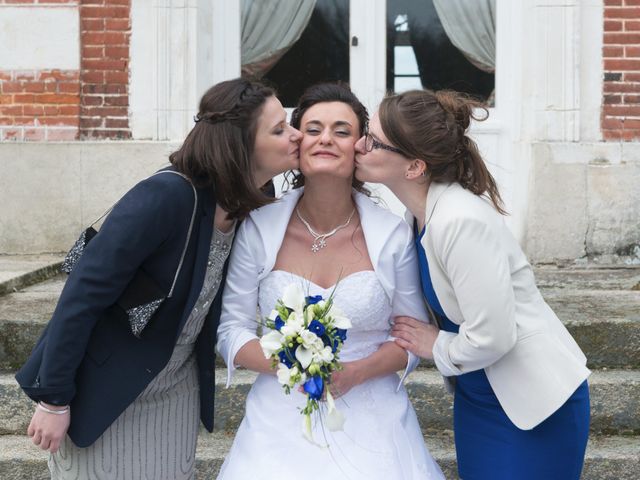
(154, 438)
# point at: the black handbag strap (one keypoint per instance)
(193, 216)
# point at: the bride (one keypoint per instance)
(366, 254)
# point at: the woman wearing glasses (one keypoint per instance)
(521, 407)
(366, 254)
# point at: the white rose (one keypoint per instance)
(325, 355)
(285, 374)
(293, 326)
(271, 343)
(308, 338)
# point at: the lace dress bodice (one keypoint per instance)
(359, 295)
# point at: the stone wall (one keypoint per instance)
(585, 203)
(50, 192)
(564, 145)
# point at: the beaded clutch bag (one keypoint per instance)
(142, 297)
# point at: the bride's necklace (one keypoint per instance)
(319, 239)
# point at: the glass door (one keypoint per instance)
(441, 44)
(292, 45)
(378, 46)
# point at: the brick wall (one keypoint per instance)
(105, 31)
(621, 53)
(39, 105)
(90, 103)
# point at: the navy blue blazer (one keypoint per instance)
(87, 356)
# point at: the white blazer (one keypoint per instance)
(389, 243)
(485, 285)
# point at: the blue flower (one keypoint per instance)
(285, 358)
(279, 323)
(316, 327)
(333, 342)
(341, 333)
(314, 387)
(312, 300)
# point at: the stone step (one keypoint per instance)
(588, 278)
(23, 316)
(605, 322)
(20, 271)
(607, 458)
(615, 402)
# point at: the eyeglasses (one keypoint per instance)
(370, 143)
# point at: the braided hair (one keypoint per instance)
(218, 151)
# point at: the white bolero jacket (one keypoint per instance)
(485, 284)
(258, 239)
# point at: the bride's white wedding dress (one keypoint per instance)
(381, 437)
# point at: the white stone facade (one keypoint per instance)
(571, 195)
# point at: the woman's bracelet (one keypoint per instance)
(62, 411)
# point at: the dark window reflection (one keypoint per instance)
(419, 52)
(321, 54)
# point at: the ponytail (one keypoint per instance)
(432, 126)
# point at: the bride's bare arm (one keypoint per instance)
(251, 357)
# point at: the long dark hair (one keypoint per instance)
(321, 93)
(219, 149)
(432, 126)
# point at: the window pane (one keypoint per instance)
(402, 84)
(320, 54)
(420, 52)
(405, 61)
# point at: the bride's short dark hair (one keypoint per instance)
(321, 93)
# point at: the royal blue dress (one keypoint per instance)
(488, 445)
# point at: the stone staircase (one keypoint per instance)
(600, 306)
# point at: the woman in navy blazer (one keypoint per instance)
(88, 367)
(521, 407)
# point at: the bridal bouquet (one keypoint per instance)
(306, 335)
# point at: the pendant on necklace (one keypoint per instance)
(318, 244)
